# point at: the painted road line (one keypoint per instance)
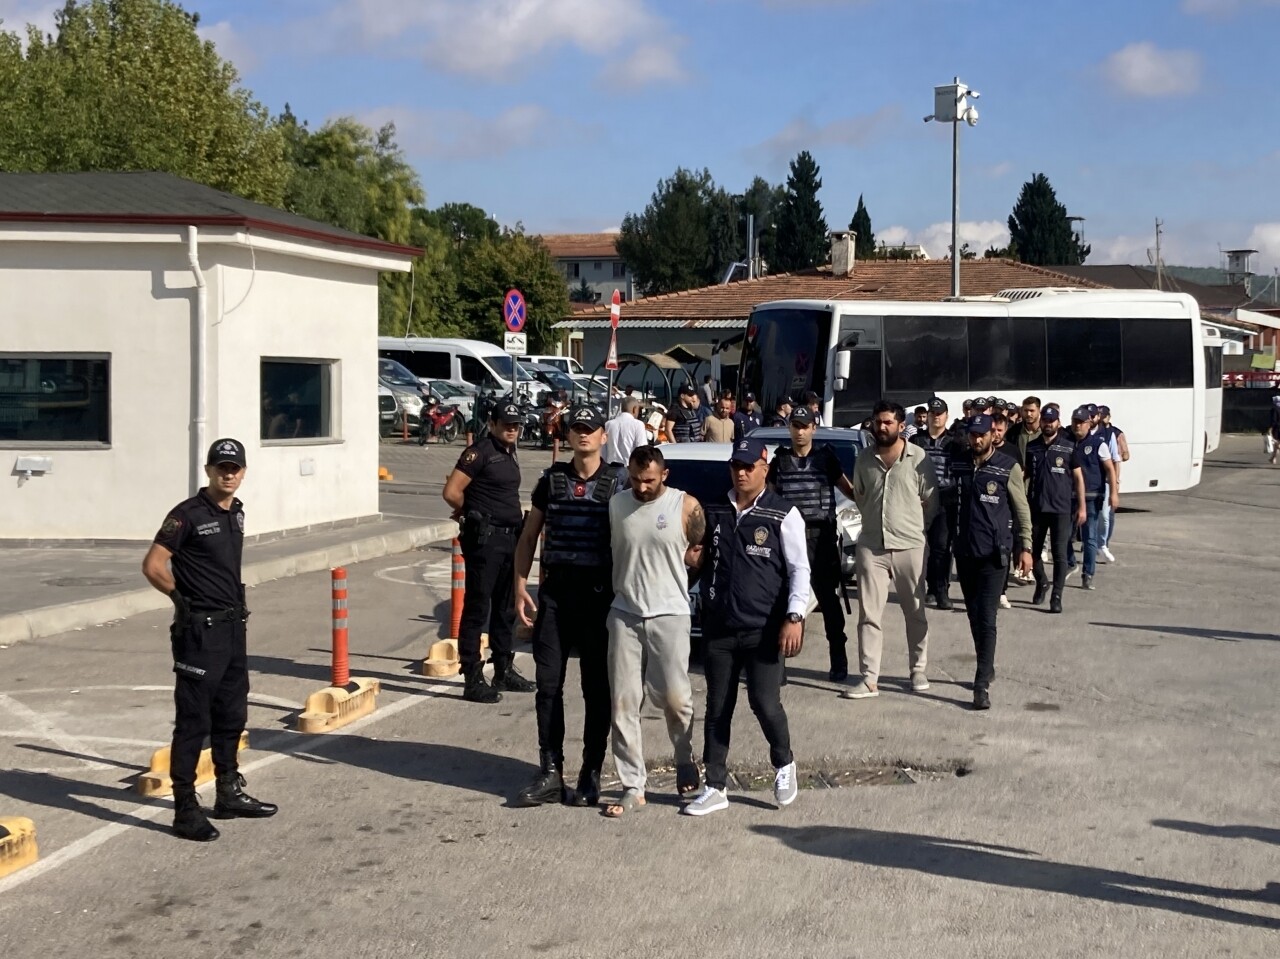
(42, 728)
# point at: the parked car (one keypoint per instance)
(388, 411)
(410, 396)
(469, 364)
(565, 364)
(450, 394)
(702, 470)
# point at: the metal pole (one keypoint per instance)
(955, 205)
(751, 238)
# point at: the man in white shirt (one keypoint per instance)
(624, 433)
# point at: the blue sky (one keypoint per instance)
(564, 114)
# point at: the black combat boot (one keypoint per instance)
(981, 698)
(547, 786)
(476, 690)
(189, 820)
(588, 791)
(839, 663)
(944, 599)
(1041, 590)
(506, 677)
(1055, 601)
(233, 802)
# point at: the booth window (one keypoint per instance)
(297, 399)
(48, 398)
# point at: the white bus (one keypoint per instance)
(1139, 352)
(1212, 338)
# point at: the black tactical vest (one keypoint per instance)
(802, 482)
(984, 529)
(744, 580)
(1050, 486)
(688, 425)
(576, 532)
(939, 451)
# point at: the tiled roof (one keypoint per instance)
(159, 198)
(581, 246)
(1124, 277)
(912, 280)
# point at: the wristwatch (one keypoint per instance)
(794, 618)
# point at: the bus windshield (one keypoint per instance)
(784, 354)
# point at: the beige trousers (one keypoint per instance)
(876, 568)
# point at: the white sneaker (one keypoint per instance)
(785, 788)
(1107, 555)
(711, 800)
(1004, 602)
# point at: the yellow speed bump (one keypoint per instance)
(156, 781)
(334, 707)
(442, 659)
(17, 844)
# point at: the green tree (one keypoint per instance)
(667, 246)
(129, 85)
(463, 223)
(802, 230)
(583, 294)
(763, 201)
(1040, 229)
(865, 242)
(994, 252)
(491, 267)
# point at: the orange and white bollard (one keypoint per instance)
(341, 657)
(458, 591)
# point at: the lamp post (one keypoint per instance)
(951, 105)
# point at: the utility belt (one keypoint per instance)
(478, 527)
(213, 617)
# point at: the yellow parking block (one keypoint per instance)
(156, 781)
(17, 844)
(334, 707)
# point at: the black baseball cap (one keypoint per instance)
(687, 389)
(749, 398)
(1092, 408)
(1104, 409)
(937, 404)
(749, 450)
(226, 450)
(1050, 414)
(1081, 414)
(801, 416)
(507, 412)
(979, 424)
(969, 404)
(586, 415)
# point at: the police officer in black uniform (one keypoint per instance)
(571, 506)
(960, 425)
(1054, 479)
(991, 493)
(807, 475)
(938, 440)
(682, 422)
(747, 418)
(484, 492)
(202, 538)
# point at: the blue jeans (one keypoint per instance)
(1088, 533)
(1106, 519)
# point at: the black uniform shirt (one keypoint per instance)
(207, 542)
(494, 489)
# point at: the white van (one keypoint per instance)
(565, 364)
(470, 364)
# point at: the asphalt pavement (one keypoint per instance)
(1119, 799)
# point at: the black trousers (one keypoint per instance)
(727, 656)
(1058, 527)
(488, 603)
(981, 582)
(941, 534)
(210, 695)
(572, 615)
(824, 579)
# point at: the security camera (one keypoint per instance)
(971, 116)
(929, 117)
(975, 94)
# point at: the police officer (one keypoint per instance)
(682, 423)
(747, 418)
(202, 538)
(807, 475)
(991, 492)
(1093, 456)
(939, 442)
(960, 425)
(1053, 480)
(484, 492)
(571, 505)
(754, 579)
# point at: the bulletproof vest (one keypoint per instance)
(687, 424)
(984, 528)
(939, 451)
(576, 532)
(800, 481)
(1090, 462)
(744, 582)
(1049, 467)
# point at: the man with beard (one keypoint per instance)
(682, 423)
(1053, 479)
(747, 418)
(896, 490)
(937, 441)
(655, 533)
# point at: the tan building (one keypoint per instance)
(592, 257)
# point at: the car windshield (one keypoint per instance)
(501, 363)
(706, 480)
(389, 371)
(559, 380)
(445, 389)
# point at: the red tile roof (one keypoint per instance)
(918, 280)
(581, 246)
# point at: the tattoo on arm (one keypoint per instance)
(695, 525)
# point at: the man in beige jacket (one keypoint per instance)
(895, 488)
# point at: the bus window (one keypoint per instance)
(1157, 354)
(1084, 353)
(1006, 355)
(925, 354)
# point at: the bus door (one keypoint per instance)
(863, 335)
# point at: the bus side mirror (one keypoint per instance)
(844, 362)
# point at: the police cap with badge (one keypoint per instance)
(507, 412)
(226, 450)
(586, 415)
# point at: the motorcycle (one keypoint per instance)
(531, 424)
(439, 420)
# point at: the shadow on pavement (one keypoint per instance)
(1220, 635)
(999, 866)
(58, 792)
(132, 767)
(1266, 834)
(278, 666)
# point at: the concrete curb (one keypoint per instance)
(52, 620)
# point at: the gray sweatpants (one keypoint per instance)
(648, 655)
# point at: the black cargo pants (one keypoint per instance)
(211, 693)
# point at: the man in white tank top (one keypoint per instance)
(655, 533)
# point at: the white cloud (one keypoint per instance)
(803, 134)
(491, 39)
(15, 15)
(1144, 70)
(998, 170)
(230, 45)
(1265, 238)
(457, 135)
(1222, 8)
(936, 238)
